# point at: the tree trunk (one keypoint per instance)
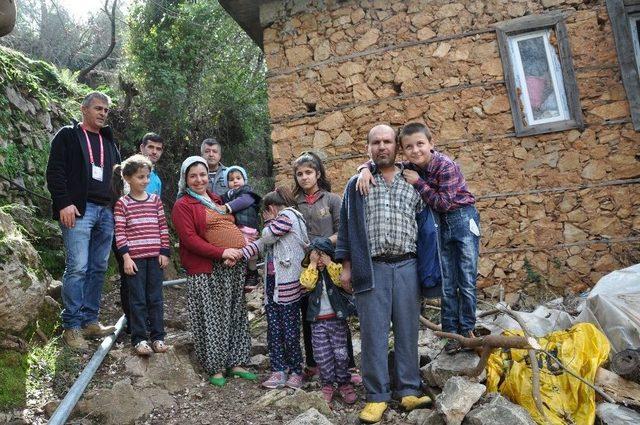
(7, 16)
(112, 17)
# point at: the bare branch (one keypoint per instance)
(112, 17)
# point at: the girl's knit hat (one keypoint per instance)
(225, 174)
(182, 182)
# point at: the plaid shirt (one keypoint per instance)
(442, 185)
(390, 213)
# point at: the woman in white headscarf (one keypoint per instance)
(209, 251)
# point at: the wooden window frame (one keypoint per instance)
(620, 12)
(530, 24)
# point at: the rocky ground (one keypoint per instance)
(171, 389)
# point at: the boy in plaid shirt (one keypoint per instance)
(442, 187)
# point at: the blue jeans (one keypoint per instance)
(394, 298)
(145, 301)
(86, 246)
(459, 250)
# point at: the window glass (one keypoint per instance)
(538, 78)
(634, 21)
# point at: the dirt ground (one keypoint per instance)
(203, 404)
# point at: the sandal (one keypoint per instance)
(159, 346)
(244, 374)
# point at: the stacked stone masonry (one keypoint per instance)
(558, 210)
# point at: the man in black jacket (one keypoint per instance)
(79, 180)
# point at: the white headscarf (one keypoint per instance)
(182, 183)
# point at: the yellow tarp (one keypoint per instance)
(581, 349)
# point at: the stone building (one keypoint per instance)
(529, 97)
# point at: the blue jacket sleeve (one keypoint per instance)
(343, 249)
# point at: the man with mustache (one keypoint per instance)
(79, 180)
(377, 246)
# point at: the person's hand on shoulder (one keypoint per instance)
(365, 181)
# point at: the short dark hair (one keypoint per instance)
(154, 137)
(211, 141)
(413, 128)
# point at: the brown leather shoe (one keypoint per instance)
(74, 340)
(97, 330)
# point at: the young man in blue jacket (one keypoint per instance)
(377, 246)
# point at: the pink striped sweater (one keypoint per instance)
(141, 227)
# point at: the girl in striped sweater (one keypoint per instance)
(284, 239)
(142, 238)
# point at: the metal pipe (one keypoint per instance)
(65, 408)
(63, 411)
(174, 282)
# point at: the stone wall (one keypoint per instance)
(558, 210)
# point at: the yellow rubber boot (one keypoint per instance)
(411, 402)
(373, 412)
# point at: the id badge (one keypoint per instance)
(96, 172)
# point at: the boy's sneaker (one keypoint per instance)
(327, 393)
(74, 340)
(295, 381)
(142, 349)
(97, 330)
(452, 346)
(347, 393)
(276, 380)
(251, 280)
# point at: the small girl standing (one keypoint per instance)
(284, 238)
(328, 311)
(142, 238)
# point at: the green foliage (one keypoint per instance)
(198, 75)
(532, 275)
(13, 377)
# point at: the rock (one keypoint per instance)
(323, 51)
(369, 38)
(123, 404)
(310, 417)
(497, 410)
(573, 234)
(331, 122)
(458, 396)
(172, 370)
(303, 401)
(343, 139)
(445, 366)
(270, 398)
(259, 348)
(18, 101)
(24, 280)
(54, 290)
(434, 418)
(613, 414)
(418, 416)
(496, 104)
(260, 361)
(181, 341)
(612, 110)
(298, 55)
(442, 50)
(595, 170)
(254, 298)
(300, 401)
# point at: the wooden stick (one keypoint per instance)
(579, 378)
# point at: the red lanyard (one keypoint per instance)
(86, 135)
